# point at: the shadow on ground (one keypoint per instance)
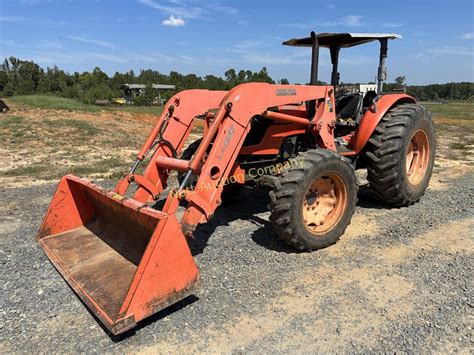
(246, 206)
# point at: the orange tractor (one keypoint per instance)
(127, 260)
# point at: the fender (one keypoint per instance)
(371, 119)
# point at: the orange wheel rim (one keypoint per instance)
(417, 157)
(324, 203)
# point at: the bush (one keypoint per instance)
(100, 92)
(147, 97)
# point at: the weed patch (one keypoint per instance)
(82, 127)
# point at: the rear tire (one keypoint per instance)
(400, 155)
(314, 201)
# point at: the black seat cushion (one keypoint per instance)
(368, 98)
(349, 106)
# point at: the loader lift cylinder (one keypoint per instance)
(206, 140)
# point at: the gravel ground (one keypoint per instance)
(398, 280)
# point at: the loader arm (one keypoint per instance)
(227, 132)
(174, 125)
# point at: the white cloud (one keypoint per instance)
(351, 21)
(269, 59)
(12, 19)
(346, 21)
(469, 35)
(450, 50)
(11, 43)
(248, 44)
(392, 25)
(91, 41)
(26, 20)
(356, 60)
(419, 56)
(154, 57)
(179, 9)
(173, 21)
(296, 25)
(56, 57)
(48, 44)
(330, 6)
(32, 2)
(436, 52)
(187, 9)
(38, 45)
(225, 9)
(72, 58)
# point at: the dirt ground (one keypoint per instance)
(398, 280)
(41, 145)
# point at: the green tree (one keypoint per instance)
(18, 77)
(400, 81)
(147, 98)
(230, 76)
(262, 76)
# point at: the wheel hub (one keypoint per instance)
(417, 157)
(324, 203)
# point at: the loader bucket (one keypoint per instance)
(125, 260)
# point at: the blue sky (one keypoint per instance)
(208, 37)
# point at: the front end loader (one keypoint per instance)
(127, 260)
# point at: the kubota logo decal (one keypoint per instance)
(228, 137)
(285, 92)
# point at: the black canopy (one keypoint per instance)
(342, 40)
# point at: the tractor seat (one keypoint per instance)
(349, 106)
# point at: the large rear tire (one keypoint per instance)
(314, 201)
(400, 155)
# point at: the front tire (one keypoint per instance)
(400, 155)
(314, 201)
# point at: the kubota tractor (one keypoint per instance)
(127, 260)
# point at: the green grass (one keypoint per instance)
(100, 166)
(456, 110)
(463, 145)
(11, 122)
(61, 103)
(30, 171)
(51, 102)
(154, 110)
(114, 167)
(15, 129)
(83, 127)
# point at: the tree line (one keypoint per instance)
(434, 92)
(21, 77)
